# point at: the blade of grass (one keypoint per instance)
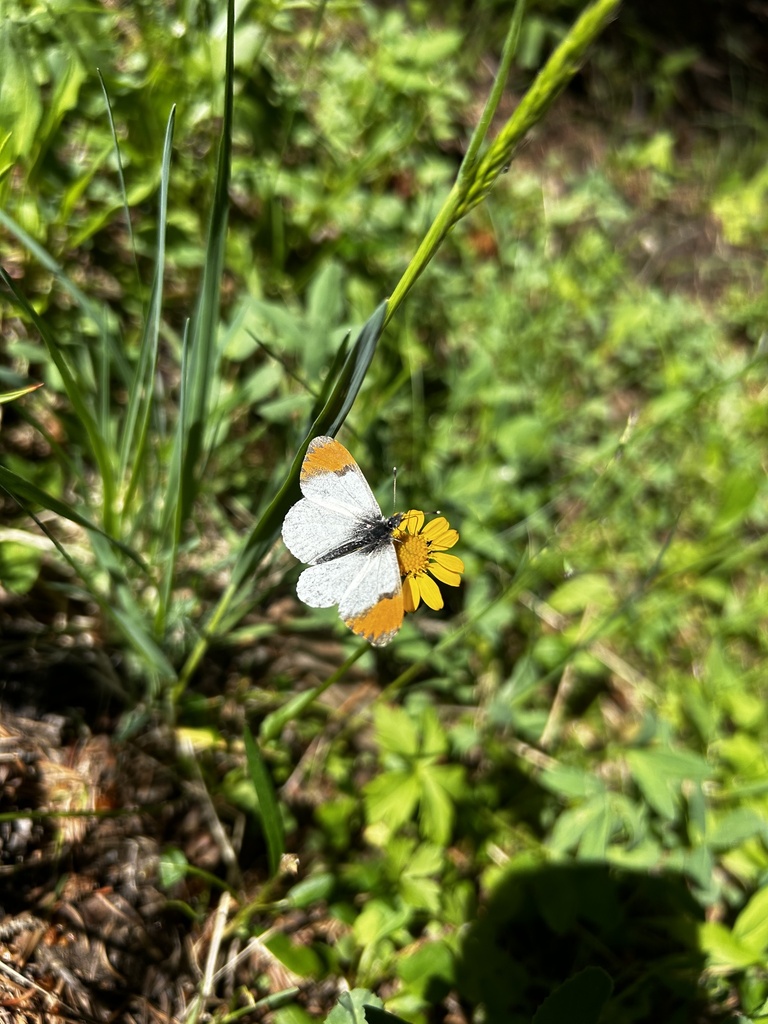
(476, 177)
(23, 491)
(142, 390)
(203, 352)
(276, 721)
(130, 626)
(121, 176)
(269, 811)
(262, 536)
(10, 396)
(77, 397)
(170, 530)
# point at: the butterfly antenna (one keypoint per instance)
(394, 489)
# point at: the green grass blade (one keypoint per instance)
(494, 98)
(477, 177)
(170, 530)
(328, 421)
(547, 86)
(262, 536)
(23, 491)
(203, 353)
(97, 315)
(142, 390)
(269, 811)
(121, 176)
(77, 397)
(10, 396)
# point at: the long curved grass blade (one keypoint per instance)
(98, 316)
(10, 396)
(269, 810)
(477, 176)
(172, 523)
(261, 537)
(76, 396)
(120, 175)
(328, 421)
(23, 491)
(203, 352)
(141, 391)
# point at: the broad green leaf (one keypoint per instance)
(751, 926)
(19, 566)
(736, 827)
(436, 810)
(723, 949)
(738, 492)
(391, 798)
(172, 868)
(396, 731)
(20, 104)
(571, 783)
(434, 741)
(569, 828)
(349, 1009)
(594, 840)
(301, 959)
(584, 591)
(378, 920)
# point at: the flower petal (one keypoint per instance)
(444, 575)
(412, 521)
(430, 593)
(411, 596)
(442, 537)
(450, 562)
(436, 527)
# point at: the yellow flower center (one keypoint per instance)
(413, 554)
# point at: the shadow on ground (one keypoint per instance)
(544, 925)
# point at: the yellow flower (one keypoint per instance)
(420, 550)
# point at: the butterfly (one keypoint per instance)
(339, 530)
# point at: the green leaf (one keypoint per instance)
(20, 104)
(203, 354)
(26, 492)
(302, 960)
(594, 840)
(659, 772)
(738, 492)
(269, 811)
(19, 566)
(10, 396)
(376, 1016)
(378, 920)
(391, 798)
(396, 731)
(580, 1000)
(736, 827)
(572, 783)
(751, 926)
(438, 783)
(350, 1007)
(172, 868)
(723, 949)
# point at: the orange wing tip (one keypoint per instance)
(378, 625)
(324, 455)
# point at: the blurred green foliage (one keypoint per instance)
(578, 745)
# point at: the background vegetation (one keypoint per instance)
(551, 795)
